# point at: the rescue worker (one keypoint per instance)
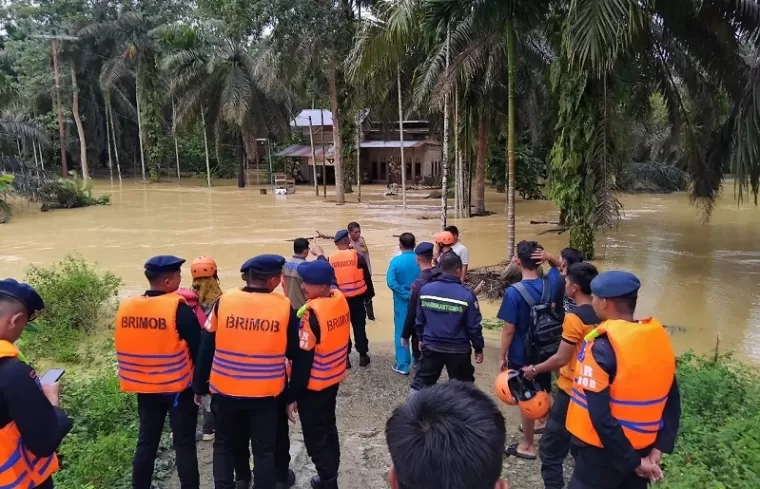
(554, 446)
(354, 280)
(291, 282)
(205, 291)
(324, 342)
(359, 244)
(242, 363)
(424, 256)
(444, 241)
(157, 338)
(403, 270)
(448, 326)
(625, 406)
(32, 425)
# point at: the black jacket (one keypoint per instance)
(414, 297)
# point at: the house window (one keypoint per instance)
(418, 168)
(374, 170)
(383, 171)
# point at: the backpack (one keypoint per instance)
(545, 331)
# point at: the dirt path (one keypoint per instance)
(365, 401)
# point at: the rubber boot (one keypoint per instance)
(364, 360)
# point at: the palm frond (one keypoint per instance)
(745, 157)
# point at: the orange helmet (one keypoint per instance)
(501, 385)
(445, 238)
(534, 405)
(203, 266)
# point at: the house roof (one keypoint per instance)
(302, 119)
(392, 144)
(304, 151)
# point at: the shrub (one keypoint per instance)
(77, 299)
(69, 194)
(719, 443)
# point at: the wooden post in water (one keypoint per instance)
(313, 157)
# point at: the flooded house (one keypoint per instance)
(380, 150)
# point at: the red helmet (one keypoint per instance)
(203, 266)
(501, 386)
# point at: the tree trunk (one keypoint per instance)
(174, 135)
(108, 138)
(314, 157)
(113, 135)
(241, 163)
(340, 195)
(205, 146)
(139, 125)
(510, 138)
(324, 153)
(80, 127)
(401, 136)
(480, 169)
(445, 149)
(42, 157)
(457, 159)
(61, 126)
(359, 155)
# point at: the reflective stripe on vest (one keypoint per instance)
(329, 367)
(645, 371)
(251, 340)
(152, 359)
(349, 276)
(19, 467)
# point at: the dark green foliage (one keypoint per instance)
(78, 298)
(719, 444)
(530, 170)
(652, 177)
(68, 194)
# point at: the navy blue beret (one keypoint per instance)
(341, 235)
(615, 283)
(424, 248)
(318, 272)
(23, 293)
(264, 265)
(164, 263)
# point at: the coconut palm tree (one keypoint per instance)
(221, 83)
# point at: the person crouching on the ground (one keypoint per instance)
(354, 280)
(205, 291)
(424, 254)
(324, 335)
(359, 244)
(626, 371)
(291, 281)
(567, 258)
(242, 362)
(555, 444)
(448, 322)
(517, 317)
(443, 244)
(449, 436)
(402, 272)
(460, 250)
(157, 339)
(32, 425)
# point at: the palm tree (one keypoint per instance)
(222, 83)
(689, 54)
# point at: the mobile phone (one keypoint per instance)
(52, 376)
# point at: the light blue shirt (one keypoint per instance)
(402, 271)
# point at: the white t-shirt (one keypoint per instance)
(461, 250)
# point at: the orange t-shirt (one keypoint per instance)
(573, 332)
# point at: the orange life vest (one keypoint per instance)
(19, 467)
(646, 366)
(152, 359)
(251, 340)
(329, 367)
(349, 276)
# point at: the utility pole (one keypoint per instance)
(360, 116)
(56, 74)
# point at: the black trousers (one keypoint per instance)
(593, 470)
(183, 416)
(237, 421)
(281, 451)
(208, 422)
(316, 409)
(416, 353)
(358, 323)
(555, 443)
(458, 365)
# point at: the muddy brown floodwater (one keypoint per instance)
(702, 278)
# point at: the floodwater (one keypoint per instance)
(700, 277)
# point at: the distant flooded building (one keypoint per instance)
(380, 151)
